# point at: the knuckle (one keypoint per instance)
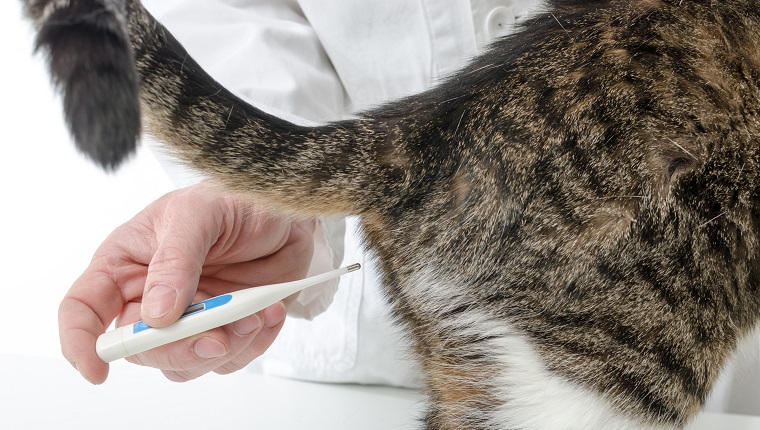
(135, 359)
(172, 258)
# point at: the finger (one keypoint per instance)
(172, 280)
(240, 335)
(195, 356)
(78, 342)
(243, 221)
(85, 312)
(288, 263)
(273, 320)
(189, 354)
(248, 338)
(181, 354)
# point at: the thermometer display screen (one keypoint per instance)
(193, 309)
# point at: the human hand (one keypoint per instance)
(188, 246)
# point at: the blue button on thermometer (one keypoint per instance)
(199, 317)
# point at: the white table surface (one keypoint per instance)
(46, 393)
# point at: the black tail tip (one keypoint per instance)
(103, 115)
(92, 63)
(105, 147)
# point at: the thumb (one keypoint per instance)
(173, 276)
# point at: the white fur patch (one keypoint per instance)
(531, 396)
(537, 399)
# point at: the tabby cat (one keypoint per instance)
(568, 228)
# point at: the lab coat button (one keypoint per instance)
(499, 22)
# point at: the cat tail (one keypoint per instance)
(349, 167)
(91, 62)
(112, 60)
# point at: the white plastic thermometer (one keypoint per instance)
(202, 316)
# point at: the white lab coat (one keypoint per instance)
(322, 60)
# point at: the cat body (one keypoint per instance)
(567, 228)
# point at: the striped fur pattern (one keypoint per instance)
(567, 228)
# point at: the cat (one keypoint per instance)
(567, 228)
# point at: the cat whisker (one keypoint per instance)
(452, 99)
(712, 219)
(490, 66)
(563, 27)
(229, 116)
(694, 157)
(625, 197)
(460, 122)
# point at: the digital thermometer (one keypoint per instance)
(199, 317)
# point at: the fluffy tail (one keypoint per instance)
(94, 49)
(91, 61)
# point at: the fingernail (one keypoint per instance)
(207, 347)
(247, 325)
(76, 366)
(159, 301)
(275, 314)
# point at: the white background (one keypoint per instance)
(56, 206)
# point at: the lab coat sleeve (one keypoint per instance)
(328, 254)
(267, 53)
